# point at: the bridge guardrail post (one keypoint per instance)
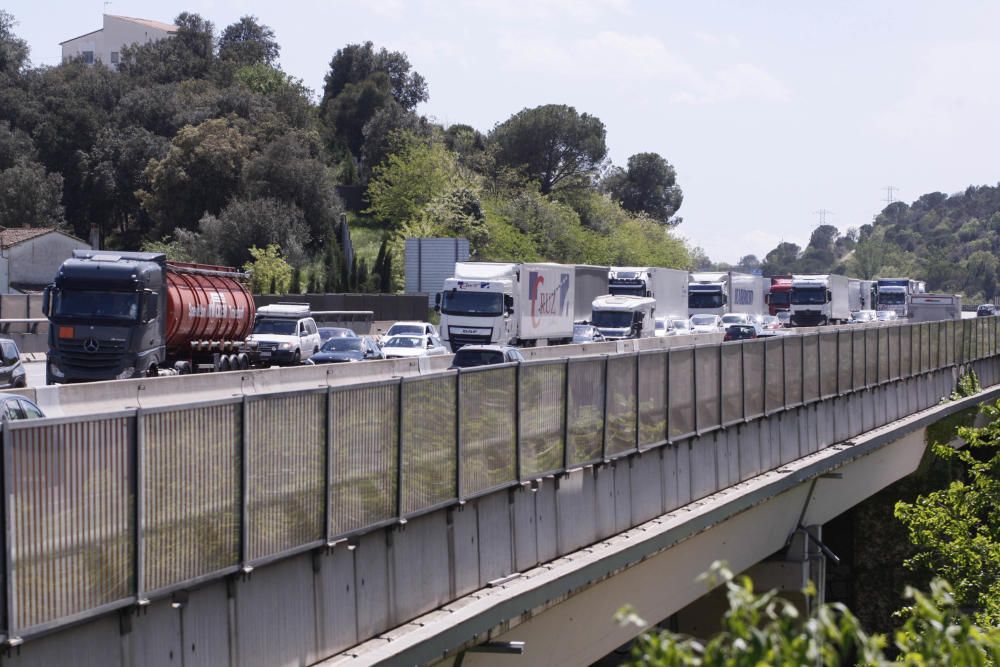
(638, 407)
(327, 465)
(8, 520)
(604, 436)
(517, 422)
(458, 436)
(244, 487)
(139, 506)
(400, 480)
(565, 415)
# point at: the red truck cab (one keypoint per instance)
(779, 298)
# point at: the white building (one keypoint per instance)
(31, 256)
(105, 45)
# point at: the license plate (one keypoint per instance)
(264, 355)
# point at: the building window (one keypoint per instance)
(88, 57)
(114, 57)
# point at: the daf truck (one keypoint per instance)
(778, 297)
(669, 287)
(516, 304)
(618, 317)
(729, 292)
(819, 300)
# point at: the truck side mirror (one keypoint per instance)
(829, 296)
(767, 299)
(47, 300)
(508, 304)
(150, 303)
(725, 299)
(437, 302)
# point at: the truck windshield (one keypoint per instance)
(780, 298)
(616, 319)
(891, 298)
(275, 327)
(808, 296)
(627, 290)
(704, 299)
(90, 304)
(472, 303)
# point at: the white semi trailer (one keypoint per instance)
(819, 300)
(668, 286)
(728, 292)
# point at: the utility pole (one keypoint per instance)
(889, 191)
(822, 213)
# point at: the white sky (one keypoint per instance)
(768, 111)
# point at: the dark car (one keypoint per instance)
(14, 407)
(986, 310)
(485, 355)
(335, 350)
(12, 373)
(740, 332)
(326, 333)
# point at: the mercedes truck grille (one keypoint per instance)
(91, 353)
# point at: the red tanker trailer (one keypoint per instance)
(117, 315)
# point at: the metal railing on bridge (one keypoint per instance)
(108, 511)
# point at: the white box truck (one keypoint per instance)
(668, 286)
(855, 291)
(935, 307)
(507, 304)
(818, 300)
(729, 292)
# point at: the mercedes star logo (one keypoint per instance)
(91, 345)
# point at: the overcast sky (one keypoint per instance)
(769, 112)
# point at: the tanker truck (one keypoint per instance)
(118, 315)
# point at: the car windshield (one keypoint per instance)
(627, 290)
(734, 319)
(661, 325)
(472, 303)
(343, 345)
(780, 298)
(886, 314)
(679, 324)
(274, 327)
(616, 319)
(770, 319)
(704, 299)
(93, 304)
(468, 358)
(404, 341)
(336, 332)
(703, 320)
(400, 329)
(808, 296)
(891, 298)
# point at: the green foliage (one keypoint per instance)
(247, 42)
(410, 179)
(957, 528)
(244, 224)
(648, 185)
(172, 248)
(764, 629)
(269, 272)
(968, 385)
(13, 49)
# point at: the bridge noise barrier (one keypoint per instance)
(108, 511)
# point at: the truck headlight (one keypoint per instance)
(55, 371)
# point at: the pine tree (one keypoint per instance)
(296, 287)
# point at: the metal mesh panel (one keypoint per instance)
(429, 453)
(810, 368)
(363, 456)
(191, 493)
(680, 393)
(708, 393)
(976, 335)
(621, 404)
(883, 355)
(951, 327)
(828, 364)
(925, 347)
(871, 357)
(935, 345)
(732, 382)
(966, 342)
(286, 454)
(845, 361)
(893, 350)
(542, 399)
(905, 350)
(858, 358)
(774, 374)
(793, 370)
(652, 398)
(585, 413)
(69, 505)
(983, 338)
(487, 450)
(753, 378)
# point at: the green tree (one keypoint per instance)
(268, 270)
(552, 144)
(409, 179)
(648, 185)
(13, 49)
(782, 260)
(870, 256)
(958, 528)
(189, 54)
(248, 42)
(356, 63)
(30, 197)
(247, 223)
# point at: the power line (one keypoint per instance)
(822, 213)
(889, 191)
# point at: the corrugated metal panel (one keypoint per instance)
(286, 454)
(774, 371)
(905, 350)
(429, 452)
(845, 361)
(680, 393)
(708, 387)
(430, 261)
(585, 412)
(486, 427)
(70, 509)
(542, 398)
(753, 378)
(810, 368)
(732, 382)
(828, 364)
(893, 348)
(871, 357)
(793, 370)
(858, 355)
(652, 398)
(621, 408)
(363, 456)
(191, 493)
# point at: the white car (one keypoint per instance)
(703, 323)
(679, 326)
(662, 326)
(399, 347)
(412, 329)
(887, 315)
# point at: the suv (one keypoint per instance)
(986, 310)
(283, 333)
(740, 332)
(12, 373)
(470, 356)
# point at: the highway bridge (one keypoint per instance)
(400, 513)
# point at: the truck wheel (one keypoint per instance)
(234, 362)
(296, 358)
(183, 368)
(224, 364)
(152, 371)
(244, 360)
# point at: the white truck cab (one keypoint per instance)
(283, 333)
(618, 317)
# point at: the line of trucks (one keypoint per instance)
(117, 315)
